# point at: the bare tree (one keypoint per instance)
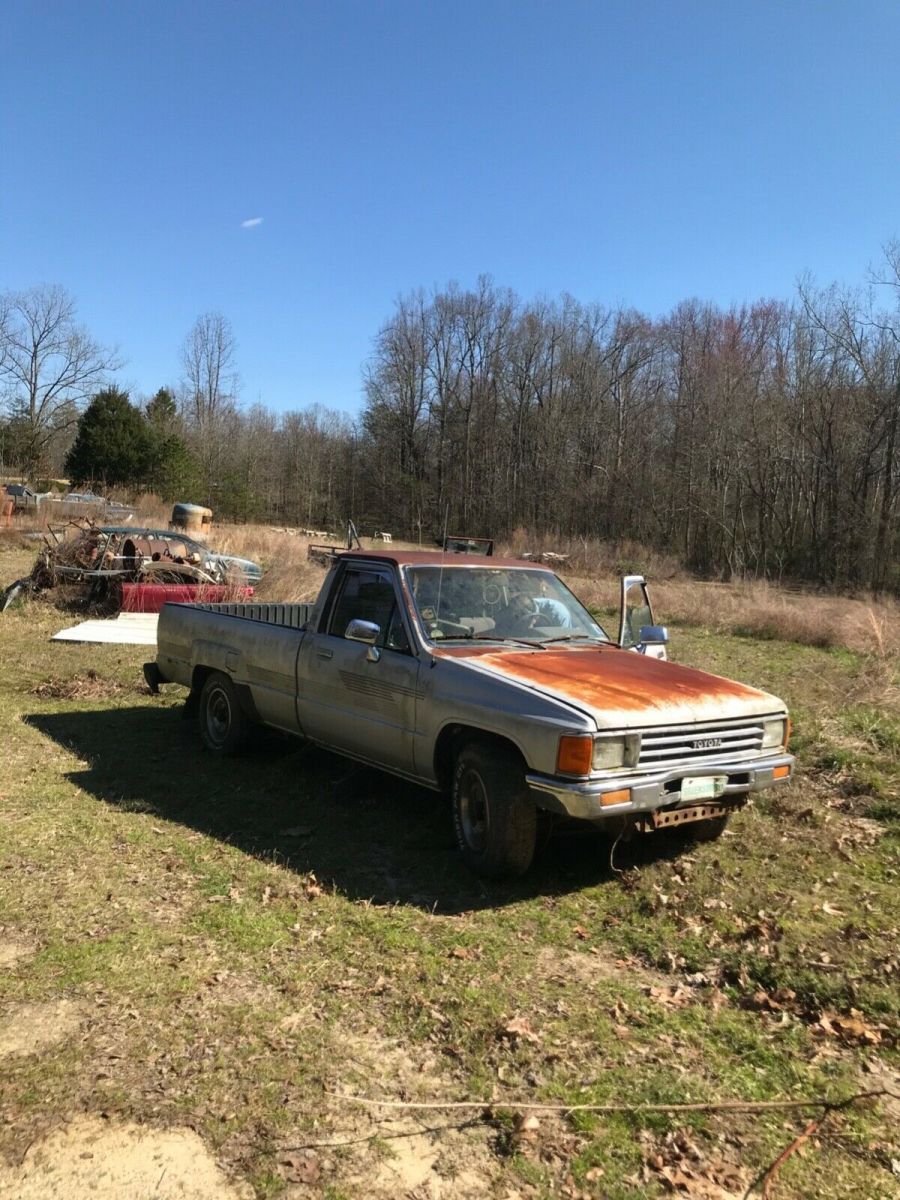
(49, 365)
(208, 358)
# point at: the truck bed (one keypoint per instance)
(289, 616)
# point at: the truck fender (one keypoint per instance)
(208, 656)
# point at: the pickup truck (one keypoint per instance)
(487, 679)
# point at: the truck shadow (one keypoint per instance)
(369, 835)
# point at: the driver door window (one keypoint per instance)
(366, 595)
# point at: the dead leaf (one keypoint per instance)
(525, 1128)
(672, 997)
(831, 911)
(581, 933)
(292, 1022)
(518, 1029)
(300, 1167)
(853, 1029)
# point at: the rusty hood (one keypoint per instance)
(622, 689)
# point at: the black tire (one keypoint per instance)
(494, 817)
(223, 726)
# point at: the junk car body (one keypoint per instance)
(141, 568)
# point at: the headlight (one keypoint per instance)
(773, 733)
(622, 750)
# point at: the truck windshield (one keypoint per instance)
(499, 604)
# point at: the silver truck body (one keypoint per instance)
(407, 703)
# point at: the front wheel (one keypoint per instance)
(709, 830)
(494, 817)
(223, 726)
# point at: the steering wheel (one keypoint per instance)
(491, 594)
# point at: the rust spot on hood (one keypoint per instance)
(615, 685)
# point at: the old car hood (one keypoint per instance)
(620, 688)
(245, 567)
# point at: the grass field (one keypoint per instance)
(226, 947)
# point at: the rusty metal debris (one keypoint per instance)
(550, 557)
(133, 569)
(666, 818)
(457, 543)
(192, 518)
(326, 554)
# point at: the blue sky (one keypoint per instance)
(623, 152)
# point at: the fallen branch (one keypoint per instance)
(702, 1106)
(768, 1179)
(380, 1136)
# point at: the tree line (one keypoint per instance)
(758, 440)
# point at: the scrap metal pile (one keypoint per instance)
(127, 569)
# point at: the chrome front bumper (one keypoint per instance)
(583, 798)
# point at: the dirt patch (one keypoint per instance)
(80, 687)
(399, 1068)
(590, 967)
(418, 1158)
(449, 1166)
(421, 1158)
(880, 1076)
(93, 1160)
(13, 951)
(33, 1028)
(226, 989)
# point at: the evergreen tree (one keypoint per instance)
(174, 471)
(114, 444)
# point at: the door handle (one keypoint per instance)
(324, 654)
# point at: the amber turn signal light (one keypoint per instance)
(622, 796)
(781, 772)
(574, 755)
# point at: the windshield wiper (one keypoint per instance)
(575, 637)
(496, 637)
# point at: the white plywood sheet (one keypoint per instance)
(127, 629)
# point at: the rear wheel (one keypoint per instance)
(223, 726)
(494, 817)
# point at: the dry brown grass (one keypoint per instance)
(869, 625)
(866, 624)
(151, 510)
(594, 558)
(13, 538)
(288, 574)
(283, 554)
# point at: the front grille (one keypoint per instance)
(709, 741)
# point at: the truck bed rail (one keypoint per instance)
(290, 616)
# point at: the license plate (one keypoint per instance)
(703, 787)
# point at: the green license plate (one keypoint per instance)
(703, 787)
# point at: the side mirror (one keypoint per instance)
(362, 631)
(654, 635)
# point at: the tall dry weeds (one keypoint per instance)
(288, 574)
(867, 625)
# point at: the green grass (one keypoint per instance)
(234, 973)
